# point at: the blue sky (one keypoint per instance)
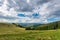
(29, 11)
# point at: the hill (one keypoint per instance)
(15, 32)
(49, 26)
(9, 28)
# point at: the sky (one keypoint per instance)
(29, 11)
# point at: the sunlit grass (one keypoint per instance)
(17, 33)
(21, 34)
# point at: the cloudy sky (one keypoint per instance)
(29, 11)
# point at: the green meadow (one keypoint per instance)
(12, 32)
(21, 34)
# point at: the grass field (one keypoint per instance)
(16, 33)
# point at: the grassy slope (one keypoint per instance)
(9, 28)
(49, 26)
(15, 33)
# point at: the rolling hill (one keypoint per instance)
(14, 32)
(49, 26)
(9, 28)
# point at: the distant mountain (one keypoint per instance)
(49, 26)
(32, 26)
(29, 24)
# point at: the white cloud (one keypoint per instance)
(46, 9)
(28, 1)
(8, 21)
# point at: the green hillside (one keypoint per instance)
(9, 28)
(16, 32)
(49, 26)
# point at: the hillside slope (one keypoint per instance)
(12, 32)
(49, 26)
(9, 28)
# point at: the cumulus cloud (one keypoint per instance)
(29, 11)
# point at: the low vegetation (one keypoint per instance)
(17, 32)
(49, 26)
